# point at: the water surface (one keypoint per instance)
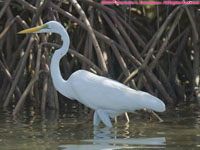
(57, 131)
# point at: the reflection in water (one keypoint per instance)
(104, 147)
(180, 130)
(105, 139)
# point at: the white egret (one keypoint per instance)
(107, 97)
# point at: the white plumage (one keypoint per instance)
(107, 97)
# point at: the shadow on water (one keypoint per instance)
(180, 130)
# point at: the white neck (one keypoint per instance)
(59, 83)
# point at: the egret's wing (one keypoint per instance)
(98, 92)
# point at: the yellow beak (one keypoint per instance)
(30, 30)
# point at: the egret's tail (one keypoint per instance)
(154, 103)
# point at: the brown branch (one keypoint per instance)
(30, 85)
(127, 38)
(157, 36)
(6, 4)
(28, 6)
(7, 101)
(25, 93)
(39, 11)
(158, 86)
(131, 75)
(99, 6)
(120, 60)
(196, 70)
(6, 29)
(92, 35)
(164, 44)
(133, 32)
(116, 32)
(44, 93)
(7, 73)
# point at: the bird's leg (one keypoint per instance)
(103, 116)
(96, 119)
(115, 119)
(127, 118)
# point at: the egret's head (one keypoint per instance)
(51, 26)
